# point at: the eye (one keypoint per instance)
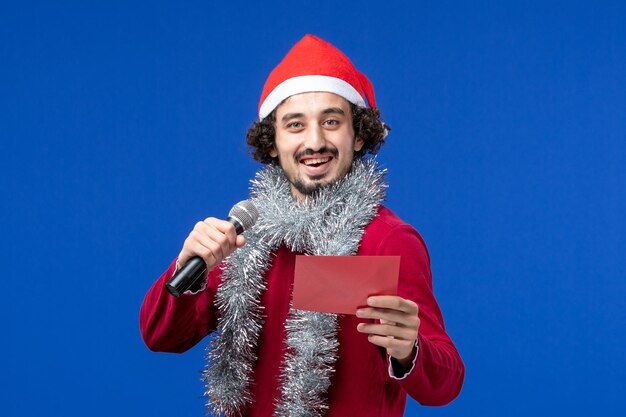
(331, 122)
(294, 125)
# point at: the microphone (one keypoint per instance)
(243, 215)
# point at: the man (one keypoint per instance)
(318, 195)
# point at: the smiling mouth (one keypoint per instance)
(316, 162)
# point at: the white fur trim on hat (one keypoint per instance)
(306, 84)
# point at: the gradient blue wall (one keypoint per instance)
(507, 154)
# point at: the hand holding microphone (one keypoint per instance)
(209, 243)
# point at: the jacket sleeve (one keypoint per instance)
(170, 324)
(437, 377)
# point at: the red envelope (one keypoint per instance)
(341, 284)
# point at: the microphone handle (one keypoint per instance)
(194, 269)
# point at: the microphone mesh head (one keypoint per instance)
(245, 212)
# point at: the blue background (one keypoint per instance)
(122, 124)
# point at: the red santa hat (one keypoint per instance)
(313, 64)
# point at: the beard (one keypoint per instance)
(315, 183)
(311, 188)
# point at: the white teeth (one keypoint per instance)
(315, 161)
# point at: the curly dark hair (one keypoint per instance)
(366, 122)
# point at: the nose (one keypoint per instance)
(314, 138)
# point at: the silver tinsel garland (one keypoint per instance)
(331, 222)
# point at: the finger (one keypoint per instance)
(206, 247)
(206, 238)
(207, 242)
(380, 314)
(393, 302)
(195, 248)
(387, 330)
(225, 227)
(398, 317)
(396, 332)
(213, 232)
(241, 240)
(219, 237)
(217, 243)
(395, 347)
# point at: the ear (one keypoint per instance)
(358, 144)
(273, 152)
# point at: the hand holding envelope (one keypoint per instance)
(365, 286)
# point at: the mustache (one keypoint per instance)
(307, 152)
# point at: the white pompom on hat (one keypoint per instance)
(313, 64)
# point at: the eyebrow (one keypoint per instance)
(330, 110)
(291, 116)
